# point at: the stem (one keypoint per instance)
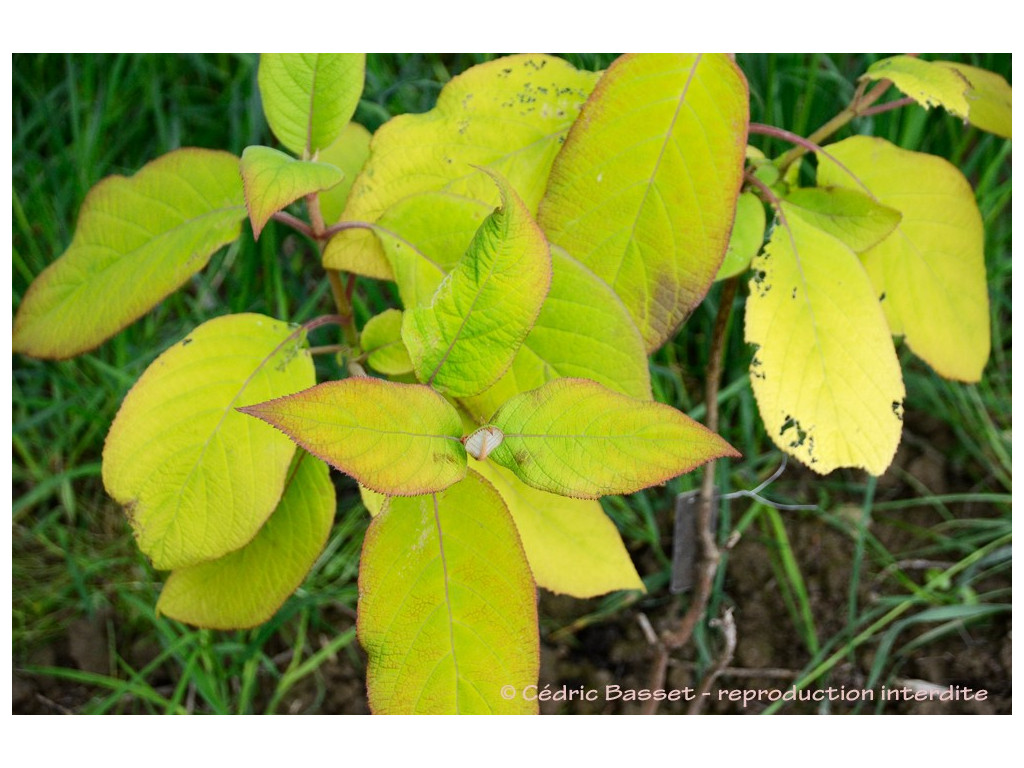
(317, 322)
(806, 144)
(327, 349)
(709, 549)
(343, 301)
(770, 197)
(782, 133)
(294, 222)
(728, 628)
(342, 295)
(906, 101)
(315, 216)
(341, 226)
(350, 287)
(858, 106)
(709, 555)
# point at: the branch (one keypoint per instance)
(708, 563)
(317, 322)
(343, 301)
(341, 226)
(342, 294)
(858, 107)
(294, 222)
(806, 144)
(728, 627)
(906, 101)
(709, 555)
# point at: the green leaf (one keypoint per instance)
(447, 606)
(583, 331)
(466, 339)
(989, 98)
(309, 98)
(924, 82)
(198, 480)
(930, 273)
(510, 115)
(274, 180)
(572, 546)
(401, 439)
(373, 501)
(644, 190)
(382, 341)
(437, 229)
(349, 153)
(825, 374)
(848, 215)
(245, 588)
(138, 240)
(747, 236)
(576, 438)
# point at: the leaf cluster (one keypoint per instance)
(547, 228)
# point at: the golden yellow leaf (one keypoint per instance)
(930, 272)
(825, 374)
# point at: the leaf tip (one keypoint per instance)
(256, 410)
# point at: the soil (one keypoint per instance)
(584, 652)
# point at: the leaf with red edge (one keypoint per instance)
(399, 439)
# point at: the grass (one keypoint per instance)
(926, 563)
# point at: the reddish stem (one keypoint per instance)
(906, 101)
(294, 222)
(782, 133)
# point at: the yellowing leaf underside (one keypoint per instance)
(245, 588)
(978, 96)
(436, 230)
(382, 341)
(349, 153)
(199, 479)
(849, 215)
